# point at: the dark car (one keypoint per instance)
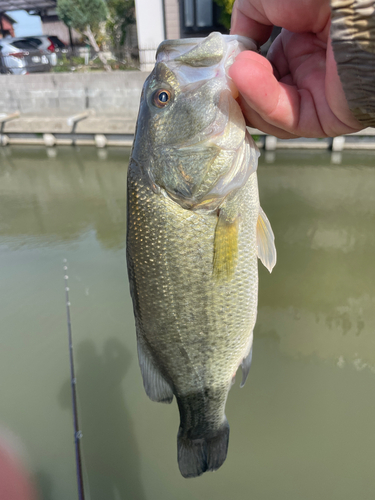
(19, 57)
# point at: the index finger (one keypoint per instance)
(246, 21)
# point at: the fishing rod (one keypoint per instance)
(77, 432)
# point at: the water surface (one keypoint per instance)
(302, 428)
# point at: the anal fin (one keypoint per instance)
(156, 387)
(245, 365)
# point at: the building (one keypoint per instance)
(168, 19)
(6, 25)
(52, 25)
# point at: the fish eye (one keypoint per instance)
(161, 98)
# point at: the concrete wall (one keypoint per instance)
(64, 94)
(172, 19)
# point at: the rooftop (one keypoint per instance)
(29, 5)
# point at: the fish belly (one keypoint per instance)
(193, 330)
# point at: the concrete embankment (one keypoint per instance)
(68, 106)
(101, 109)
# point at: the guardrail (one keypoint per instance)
(7, 118)
(87, 128)
(365, 140)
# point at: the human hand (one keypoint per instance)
(14, 482)
(296, 91)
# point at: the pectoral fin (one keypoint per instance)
(225, 248)
(265, 241)
(156, 387)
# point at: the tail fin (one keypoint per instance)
(196, 456)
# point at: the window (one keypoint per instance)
(23, 45)
(189, 13)
(35, 41)
(200, 17)
(204, 13)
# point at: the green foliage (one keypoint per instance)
(121, 15)
(65, 64)
(226, 13)
(77, 65)
(79, 14)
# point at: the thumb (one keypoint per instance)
(253, 76)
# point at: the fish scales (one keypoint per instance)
(194, 327)
(176, 295)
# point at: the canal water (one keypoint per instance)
(303, 426)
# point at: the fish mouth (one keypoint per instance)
(171, 45)
(179, 44)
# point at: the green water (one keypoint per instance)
(303, 426)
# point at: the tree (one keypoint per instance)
(121, 16)
(85, 16)
(226, 12)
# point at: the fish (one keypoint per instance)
(195, 230)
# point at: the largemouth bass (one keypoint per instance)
(195, 231)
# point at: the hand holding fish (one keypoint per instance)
(296, 91)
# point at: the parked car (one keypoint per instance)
(19, 57)
(44, 44)
(59, 45)
(50, 44)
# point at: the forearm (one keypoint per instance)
(353, 42)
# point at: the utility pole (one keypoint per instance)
(1, 25)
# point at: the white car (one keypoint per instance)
(20, 57)
(43, 43)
